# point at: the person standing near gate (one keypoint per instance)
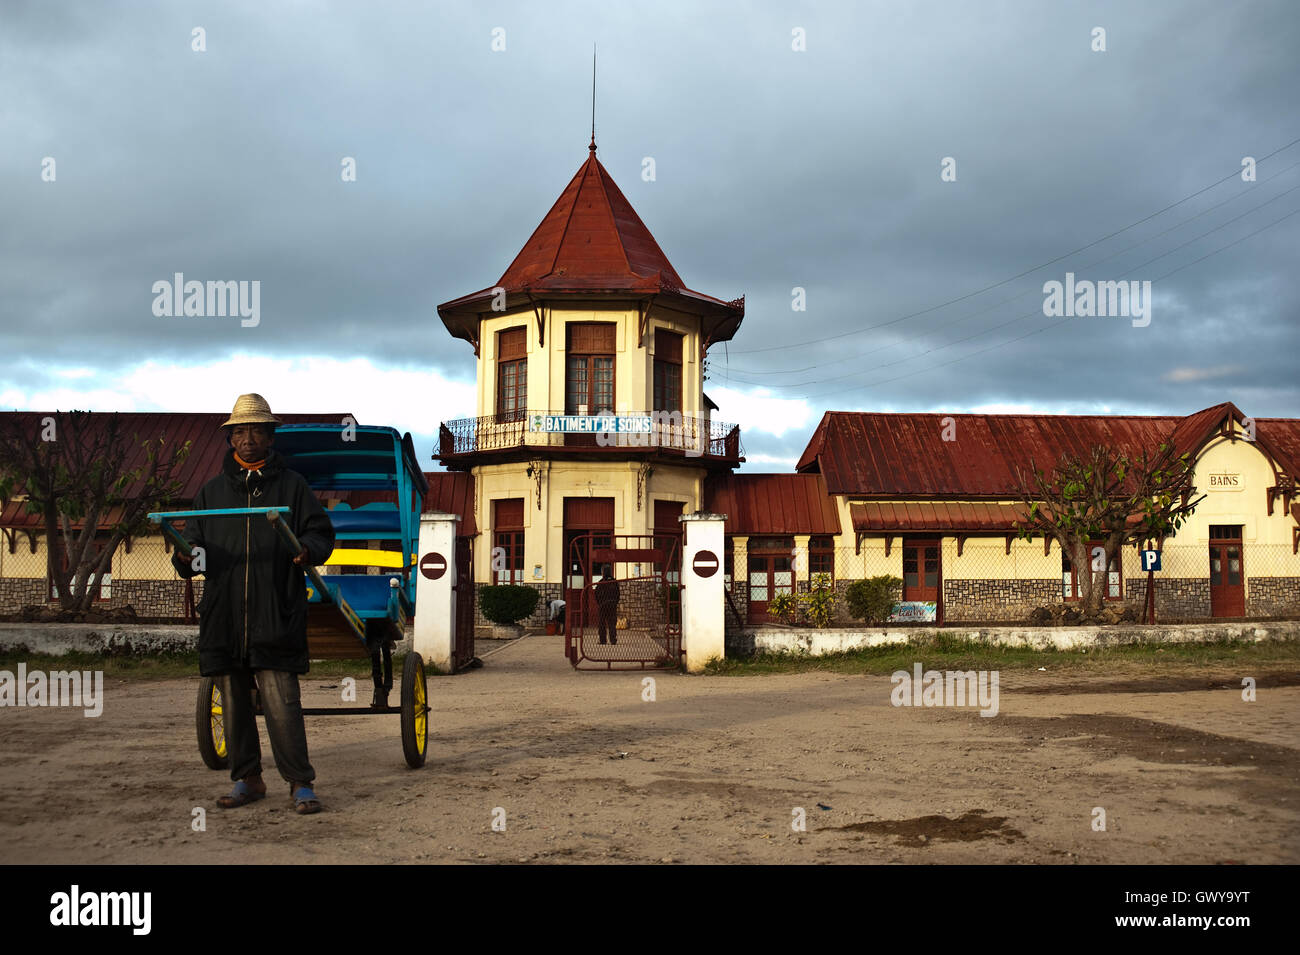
(607, 604)
(253, 615)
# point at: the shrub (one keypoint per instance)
(819, 602)
(782, 606)
(507, 603)
(874, 599)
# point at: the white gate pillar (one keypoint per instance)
(435, 601)
(704, 619)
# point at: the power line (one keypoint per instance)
(962, 298)
(1183, 245)
(728, 369)
(1044, 328)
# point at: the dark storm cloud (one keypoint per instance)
(774, 169)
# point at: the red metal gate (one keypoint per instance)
(463, 651)
(625, 608)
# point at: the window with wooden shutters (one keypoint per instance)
(589, 368)
(821, 557)
(667, 371)
(512, 374)
(508, 541)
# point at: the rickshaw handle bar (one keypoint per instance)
(290, 538)
(272, 514)
(165, 518)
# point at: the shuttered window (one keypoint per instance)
(589, 368)
(667, 371)
(508, 541)
(512, 374)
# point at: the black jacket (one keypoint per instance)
(607, 593)
(254, 606)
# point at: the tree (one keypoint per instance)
(71, 468)
(1109, 497)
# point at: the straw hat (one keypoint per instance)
(250, 409)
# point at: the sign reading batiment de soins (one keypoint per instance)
(1226, 481)
(590, 424)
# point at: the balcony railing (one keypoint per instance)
(692, 436)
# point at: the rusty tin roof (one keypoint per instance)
(906, 455)
(772, 503)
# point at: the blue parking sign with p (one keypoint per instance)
(1151, 560)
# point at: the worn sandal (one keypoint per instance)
(241, 795)
(304, 801)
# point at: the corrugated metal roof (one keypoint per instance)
(935, 516)
(208, 446)
(1281, 437)
(905, 455)
(772, 503)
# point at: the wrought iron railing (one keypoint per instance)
(692, 435)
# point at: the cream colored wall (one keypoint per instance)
(987, 557)
(1267, 540)
(1247, 506)
(544, 527)
(633, 364)
(146, 553)
(872, 562)
(147, 560)
(22, 562)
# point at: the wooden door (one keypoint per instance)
(769, 575)
(921, 571)
(668, 537)
(1227, 575)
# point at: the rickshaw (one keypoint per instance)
(360, 614)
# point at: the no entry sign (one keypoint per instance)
(433, 565)
(705, 563)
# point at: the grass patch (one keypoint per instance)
(950, 652)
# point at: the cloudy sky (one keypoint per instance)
(776, 168)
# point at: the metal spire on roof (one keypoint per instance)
(592, 147)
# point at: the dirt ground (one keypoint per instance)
(711, 771)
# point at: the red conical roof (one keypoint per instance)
(592, 242)
(592, 238)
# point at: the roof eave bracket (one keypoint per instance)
(541, 322)
(643, 320)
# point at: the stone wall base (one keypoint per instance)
(157, 599)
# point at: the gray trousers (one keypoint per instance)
(282, 707)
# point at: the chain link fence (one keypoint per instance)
(981, 580)
(140, 577)
(976, 581)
